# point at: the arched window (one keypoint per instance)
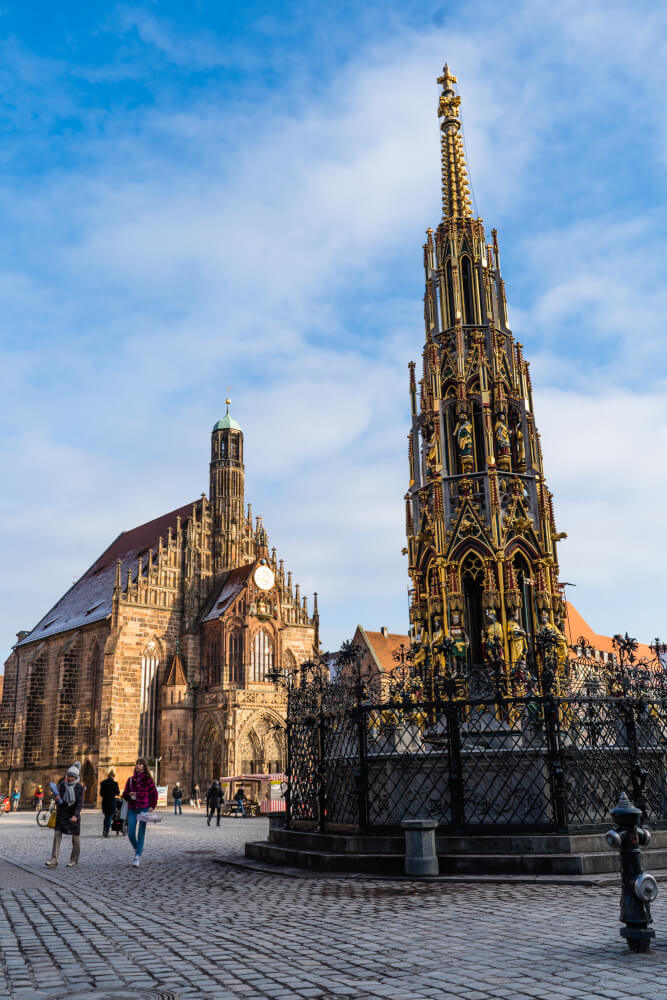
(467, 290)
(150, 662)
(472, 581)
(235, 658)
(96, 684)
(289, 664)
(524, 581)
(68, 702)
(449, 279)
(262, 656)
(34, 733)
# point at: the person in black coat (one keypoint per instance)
(109, 792)
(68, 816)
(177, 796)
(213, 802)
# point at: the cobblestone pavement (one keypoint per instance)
(192, 925)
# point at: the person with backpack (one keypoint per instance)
(239, 798)
(68, 817)
(140, 794)
(213, 802)
(39, 797)
(109, 791)
(177, 796)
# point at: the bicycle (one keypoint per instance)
(44, 813)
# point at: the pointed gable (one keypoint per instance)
(176, 677)
(230, 588)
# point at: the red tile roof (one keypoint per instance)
(382, 646)
(576, 626)
(89, 599)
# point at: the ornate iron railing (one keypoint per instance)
(472, 755)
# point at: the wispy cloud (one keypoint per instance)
(191, 241)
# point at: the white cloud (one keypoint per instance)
(278, 249)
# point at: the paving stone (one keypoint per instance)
(182, 921)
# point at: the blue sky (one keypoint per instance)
(203, 194)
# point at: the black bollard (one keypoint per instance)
(637, 889)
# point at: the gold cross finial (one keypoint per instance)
(447, 78)
(228, 400)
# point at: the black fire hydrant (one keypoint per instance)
(637, 889)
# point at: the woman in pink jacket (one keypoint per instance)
(140, 794)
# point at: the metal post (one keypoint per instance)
(362, 781)
(288, 790)
(556, 771)
(321, 791)
(638, 774)
(456, 786)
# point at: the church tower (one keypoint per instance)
(226, 494)
(479, 516)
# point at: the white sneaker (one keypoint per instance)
(136, 862)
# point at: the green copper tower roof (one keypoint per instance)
(227, 422)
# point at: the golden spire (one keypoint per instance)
(455, 186)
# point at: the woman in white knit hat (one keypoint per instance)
(68, 818)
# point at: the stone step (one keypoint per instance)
(321, 861)
(591, 863)
(339, 843)
(502, 844)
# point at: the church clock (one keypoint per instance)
(264, 577)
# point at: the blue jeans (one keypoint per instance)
(178, 808)
(137, 840)
(239, 805)
(108, 819)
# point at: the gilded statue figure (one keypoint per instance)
(438, 633)
(503, 450)
(563, 650)
(493, 638)
(560, 648)
(463, 434)
(520, 449)
(458, 637)
(518, 643)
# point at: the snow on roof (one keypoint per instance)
(89, 599)
(231, 587)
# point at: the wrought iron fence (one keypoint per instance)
(535, 762)
(479, 747)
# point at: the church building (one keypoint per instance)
(165, 648)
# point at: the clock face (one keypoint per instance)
(264, 577)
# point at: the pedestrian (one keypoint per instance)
(140, 794)
(16, 798)
(68, 821)
(239, 798)
(196, 797)
(109, 792)
(213, 801)
(177, 796)
(39, 797)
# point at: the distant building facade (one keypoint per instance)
(164, 648)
